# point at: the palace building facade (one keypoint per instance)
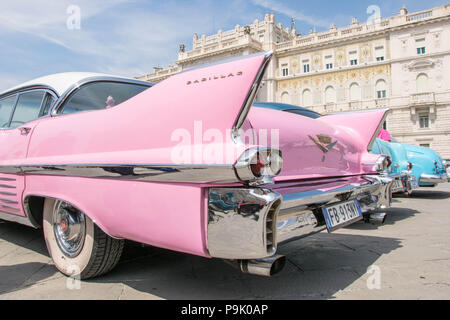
(401, 63)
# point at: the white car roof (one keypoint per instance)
(61, 82)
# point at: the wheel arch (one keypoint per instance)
(33, 205)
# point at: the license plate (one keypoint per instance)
(398, 185)
(342, 214)
(414, 183)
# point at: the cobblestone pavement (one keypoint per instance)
(408, 258)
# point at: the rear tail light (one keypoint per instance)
(410, 166)
(436, 166)
(259, 165)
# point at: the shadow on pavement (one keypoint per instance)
(394, 215)
(424, 193)
(317, 267)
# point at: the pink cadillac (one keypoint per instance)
(94, 159)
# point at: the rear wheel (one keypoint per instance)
(77, 246)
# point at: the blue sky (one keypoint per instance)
(130, 37)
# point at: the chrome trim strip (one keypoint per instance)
(7, 186)
(15, 218)
(29, 88)
(10, 207)
(57, 105)
(380, 125)
(146, 172)
(8, 193)
(7, 179)
(9, 201)
(251, 96)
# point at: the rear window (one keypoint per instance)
(305, 113)
(100, 95)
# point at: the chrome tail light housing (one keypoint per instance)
(383, 163)
(259, 165)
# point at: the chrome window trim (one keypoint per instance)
(27, 88)
(380, 125)
(61, 100)
(19, 91)
(245, 109)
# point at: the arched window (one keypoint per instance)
(422, 83)
(285, 98)
(330, 95)
(355, 92)
(307, 98)
(380, 87)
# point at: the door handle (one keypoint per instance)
(24, 131)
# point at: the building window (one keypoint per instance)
(425, 145)
(380, 87)
(306, 68)
(355, 92)
(424, 121)
(307, 98)
(353, 62)
(330, 95)
(420, 45)
(379, 53)
(422, 83)
(285, 98)
(421, 50)
(329, 66)
(284, 70)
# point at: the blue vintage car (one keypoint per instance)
(423, 163)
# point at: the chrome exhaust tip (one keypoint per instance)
(263, 267)
(377, 218)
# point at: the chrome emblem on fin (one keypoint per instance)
(324, 143)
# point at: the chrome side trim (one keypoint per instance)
(146, 172)
(14, 218)
(7, 193)
(250, 97)
(10, 207)
(7, 179)
(9, 201)
(7, 186)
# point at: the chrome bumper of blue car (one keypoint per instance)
(433, 178)
(403, 182)
(249, 223)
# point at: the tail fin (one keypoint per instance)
(219, 94)
(363, 125)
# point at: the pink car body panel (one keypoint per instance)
(300, 151)
(174, 215)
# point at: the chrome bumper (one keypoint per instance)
(249, 223)
(406, 178)
(433, 178)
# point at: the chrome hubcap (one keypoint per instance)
(69, 226)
